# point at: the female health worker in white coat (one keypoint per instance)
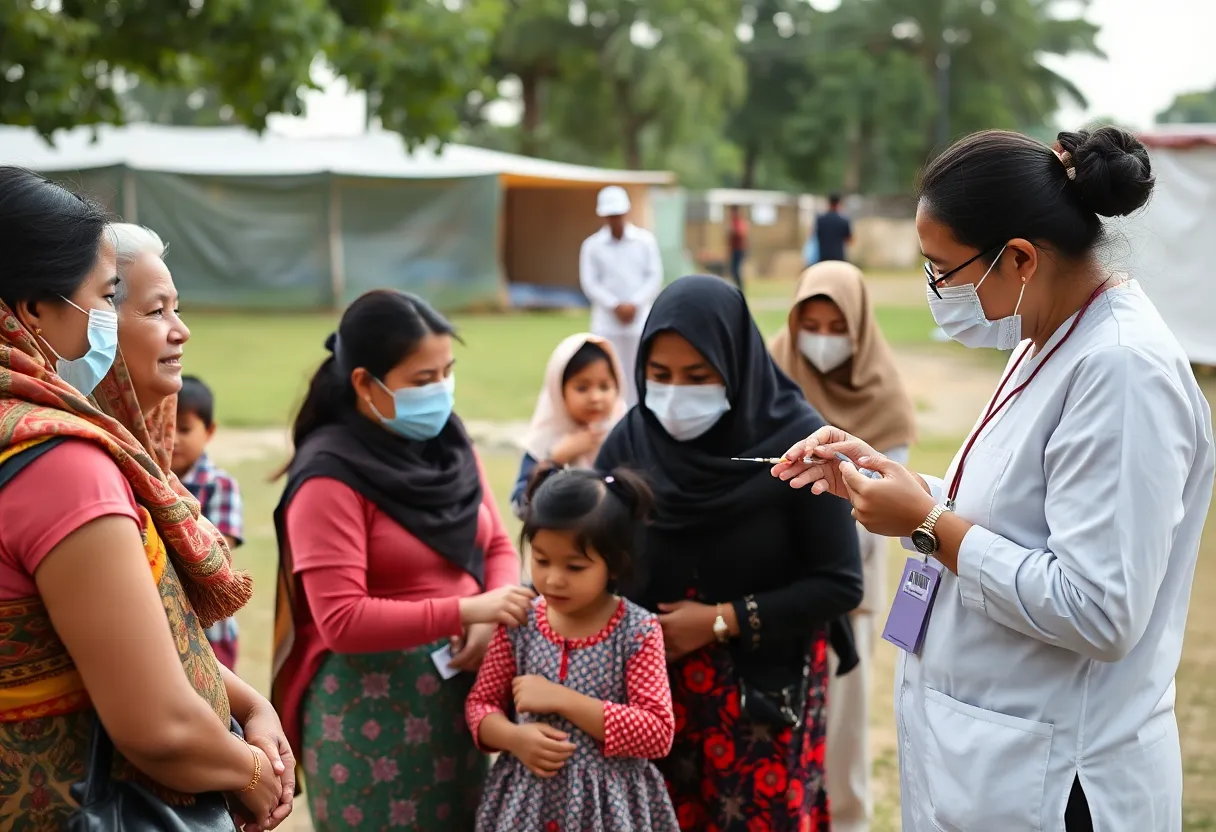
(1065, 533)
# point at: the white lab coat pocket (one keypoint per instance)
(985, 770)
(982, 475)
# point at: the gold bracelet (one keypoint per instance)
(257, 770)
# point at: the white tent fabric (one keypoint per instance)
(236, 151)
(1171, 240)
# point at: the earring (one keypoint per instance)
(37, 330)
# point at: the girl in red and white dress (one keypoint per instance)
(578, 699)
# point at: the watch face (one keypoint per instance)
(924, 542)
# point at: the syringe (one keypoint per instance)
(806, 460)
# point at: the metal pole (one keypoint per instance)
(130, 203)
(337, 268)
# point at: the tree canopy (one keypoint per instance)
(755, 93)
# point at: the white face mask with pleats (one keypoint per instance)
(961, 316)
(686, 411)
(825, 352)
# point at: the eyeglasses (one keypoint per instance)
(935, 280)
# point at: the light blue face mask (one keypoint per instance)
(86, 372)
(419, 413)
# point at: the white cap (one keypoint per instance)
(613, 201)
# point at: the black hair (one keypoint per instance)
(377, 331)
(833, 199)
(196, 397)
(584, 357)
(603, 510)
(995, 185)
(50, 237)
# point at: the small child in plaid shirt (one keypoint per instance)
(217, 492)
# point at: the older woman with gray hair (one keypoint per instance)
(151, 335)
(151, 338)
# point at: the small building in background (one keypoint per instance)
(884, 232)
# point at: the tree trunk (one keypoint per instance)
(529, 121)
(852, 168)
(751, 157)
(633, 146)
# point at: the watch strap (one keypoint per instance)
(930, 522)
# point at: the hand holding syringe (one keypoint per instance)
(806, 460)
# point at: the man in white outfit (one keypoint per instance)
(621, 273)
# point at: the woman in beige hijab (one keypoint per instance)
(833, 348)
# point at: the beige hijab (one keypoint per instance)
(865, 395)
(551, 420)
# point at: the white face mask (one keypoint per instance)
(961, 315)
(686, 411)
(825, 352)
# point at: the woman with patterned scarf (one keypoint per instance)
(95, 538)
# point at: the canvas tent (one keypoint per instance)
(1171, 240)
(295, 223)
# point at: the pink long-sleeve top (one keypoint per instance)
(369, 585)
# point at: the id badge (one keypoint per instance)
(909, 616)
(443, 662)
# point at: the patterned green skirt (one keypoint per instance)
(385, 745)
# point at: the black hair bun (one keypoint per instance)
(1114, 174)
(330, 340)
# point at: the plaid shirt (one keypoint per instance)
(219, 497)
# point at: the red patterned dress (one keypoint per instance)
(608, 787)
(727, 773)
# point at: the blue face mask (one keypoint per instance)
(419, 413)
(86, 372)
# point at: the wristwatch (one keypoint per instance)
(923, 538)
(721, 628)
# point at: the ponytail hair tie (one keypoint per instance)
(619, 490)
(1070, 170)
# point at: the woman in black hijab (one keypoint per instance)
(747, 581)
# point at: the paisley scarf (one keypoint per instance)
(36, 404)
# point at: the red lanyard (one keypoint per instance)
(994, 408)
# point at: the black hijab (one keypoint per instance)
(432, 488)
(696, 480)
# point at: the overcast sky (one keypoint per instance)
(1155, 49)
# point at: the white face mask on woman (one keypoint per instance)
(961, 315)
(686, 411)
(825, 352)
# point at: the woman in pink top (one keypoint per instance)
(391, 549)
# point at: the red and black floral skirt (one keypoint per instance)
(727, 773)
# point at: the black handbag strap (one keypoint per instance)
(16, 463)
(98, 769)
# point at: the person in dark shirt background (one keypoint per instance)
(833, 231)
(737, 241)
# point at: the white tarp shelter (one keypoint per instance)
(282, 222)
(1171, 241)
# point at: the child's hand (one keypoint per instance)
(576, 444)
(537, 695)
(542, 748)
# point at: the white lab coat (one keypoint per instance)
(1052, 653)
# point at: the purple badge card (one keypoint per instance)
(909, 617)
